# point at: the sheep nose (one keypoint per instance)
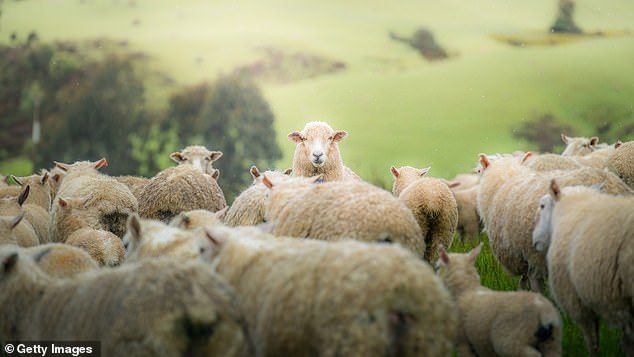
(318, 154)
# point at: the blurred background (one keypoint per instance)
(420, 83)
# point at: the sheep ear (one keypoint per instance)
(176, 156)
(473, 254)
(594, 141)
(16, 220)
(62, 166)
(526, 156)
(255, 172)
(442, 254)
(484, 161)
(215, 174)
(453, 184)
(564, 138)
(101, 163)
(555, 191)
(423, 172)
(288, 171)
(296, 137)
(215, 155)
(134, 226)
(395, 172)
(62, 202)
(24, 194)
(618, 144)
(16, 180)
(267, 182)
(217, 240)
(339, 135)
(9, 262)
(44, 178)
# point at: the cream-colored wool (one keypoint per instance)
(35, 216)
(61, 260)
(199, 218)
(579, 146)
(508, 203)
(341, 210)
(432, 203)
(621, 163)
(317, 153)
(469, 223)
(589, 237)
(159, 307)
(464, 181)
(347, 298)
(198, 156)
(40, 191)
(15, 230)
(177, 189)
(248, 208)
(3, 181)
(550, 162)
(134, 183)
(498, 323)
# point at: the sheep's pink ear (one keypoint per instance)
(442, 253)
(16, 180)
(395, 172)
(339, 135)
(473, 254)
(24, 194)
(423, 172)
(564, 138)
(618, 144)
(288, 171)
(134, 226)
(267, 182)
(176, 156)
(453, 184)
(555, 191)
(56, 178)
(215, 155)
(8, 263)
(526, 156)
(594, 141)
(215, 174)
(62, 202)
(16, 220)
(101, 163)
(255, 172)
(62, 166)
(44, 178)
(296, 137)
(484, 161)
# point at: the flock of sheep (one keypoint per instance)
(162, 266)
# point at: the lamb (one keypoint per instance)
(34, 215)
(588, 237)
(198, 156)
(40, 191)
(346, 298)
(61, 260)
(248, 208)
(498, 323)
(180, 188)
(157, 307)
(198, 218)
(432, 203)
(579, 146)
(152, 238)
(621, 162)
(14, 230)
(317, 152)
(340, 210)
(508, 200)
(103, 246)
(110, 205)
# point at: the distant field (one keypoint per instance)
(398, 108)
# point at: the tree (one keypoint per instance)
(564, 21)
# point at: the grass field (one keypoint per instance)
(398, 108)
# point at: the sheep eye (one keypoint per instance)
(330, 138)
(541, 206)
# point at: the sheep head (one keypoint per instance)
(316, 141)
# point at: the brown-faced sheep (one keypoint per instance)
(432, 203)
(317, 153)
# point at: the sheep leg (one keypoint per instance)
(590, 328)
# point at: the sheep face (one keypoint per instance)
(579, 146)
(543, 230)
(316, 141)
(197, 156)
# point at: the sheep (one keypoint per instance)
(579, 146)
(469, 223)
(110, 205)
(432, 203)
(61, 260)
(191, 220)
(180, 188)
(40, 191)
(15, 230)
(621, 162)
(551, 162)
(346, 298)
(152, 238)
(134, 183)
(198, 156)
(508, 200)
(340, 210)
(317, 152)
(498, 323)
(588, 238)
(157, 307)
(464, 181)
(248, 208)
(34, 215)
